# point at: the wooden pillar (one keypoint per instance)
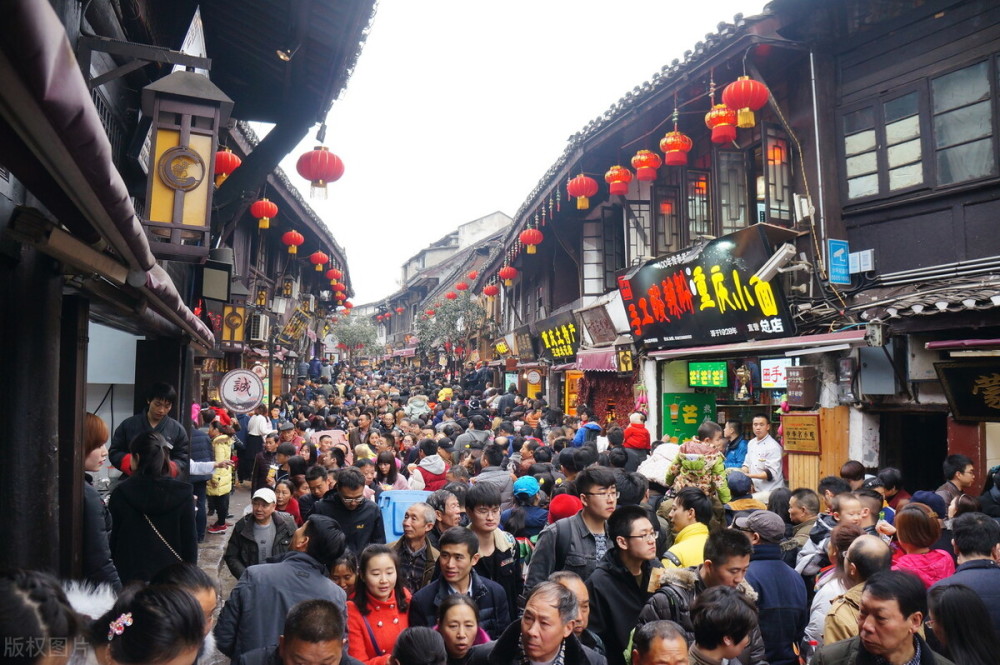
(72, 407)
(30, 302)
(969, 439)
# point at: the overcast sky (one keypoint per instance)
(458, 107)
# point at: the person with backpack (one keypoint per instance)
(589, 430)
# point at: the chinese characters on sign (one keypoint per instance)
(708, 374)
(241, 390)
(800, 433)
(502, 348)
(972, 388)
(684, 412)
(559, 336)
(773, 372)
(295, 328)
(710, 296)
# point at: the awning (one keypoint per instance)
(53, 141)
(596, 360)
(564, 367)
(963, 345)
(790, 345)
(404, 353)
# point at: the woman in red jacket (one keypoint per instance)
(378, 613)
(284, 492)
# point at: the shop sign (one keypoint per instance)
(295, 328)
(559, 337)
(800, 433)
(624, 361)
(570, 391)
(773, 372)
(801, 384)
(241, 390)
(708, 374)
(972, 388)
(599, 325)
(525, 347)
(502, 348)
(706, 296)
(510, 379)
(683, 413)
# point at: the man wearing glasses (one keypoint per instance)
(619, 587)
(359, 517)
(577, 543)
(499, 555)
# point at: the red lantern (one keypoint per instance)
(378, 317)
(263, 210)
(676, 146)
(387, 315)
(333, 273)
(582, 187)
(508, 274)
(645, 164)
(491, 290)
(226, 161)
(320, 166)
(473, 274)
(618, 177)
(722, 121)
(746, 96)
(348, 305)
(318, 259)
(400, 310)
(461, 286)
(530, 238)
(293, 239)
(429, 312)
(451, 295)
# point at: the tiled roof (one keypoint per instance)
(930, 298)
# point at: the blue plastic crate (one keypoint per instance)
(393, 504)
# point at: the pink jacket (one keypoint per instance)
(637, 436)
(929, 567)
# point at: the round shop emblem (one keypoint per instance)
(260, 371)
(181, 168)
(534, 377)
(241, 391)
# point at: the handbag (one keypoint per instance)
(162, 539)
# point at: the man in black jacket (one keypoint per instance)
(619, 588)
(313, 633)
(977, 543)
(259, 535)
(359, 517)
(160, 400)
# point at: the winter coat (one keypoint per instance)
(254, 615)
(706, 471)
(983, 577)
(137, 550)
(580, 556)
(852, 652)
(430, 474)
(474, 438)
(505, 650)
(430, 563)
(138, 424)
(615, 602)
(222, 479)
(654, 468)
(587, 432)
(98, 568)
(417, 406)
(826, 593)
(689, 546)
(736, 453)
(929, 567)
(201, 451)
(494, 610)
(494, 475)
(781, 603)
(678, 589)
(989, 502)
(503, 566)
(536, 518)
(242, 551)
(362, 526)
(812, 557)
(637, 436)
(384, 621)
(841, 620)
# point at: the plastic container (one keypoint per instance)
(393, 504)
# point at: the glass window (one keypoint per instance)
(860, 150)
(963, 125)
(699, 210)
(902, 138)
(961, 88)
(732, 191)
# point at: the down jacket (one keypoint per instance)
(672, 601)
(242, 551)
(494, 611)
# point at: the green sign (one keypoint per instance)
(708, 374)
(684, 412)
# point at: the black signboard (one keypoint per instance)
(559, 338)
(707, 295)
(525, 345)
(972, 388)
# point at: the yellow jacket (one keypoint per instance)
(689, 546)
(221, 482)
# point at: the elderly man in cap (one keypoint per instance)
(258, 535)
(781, 592)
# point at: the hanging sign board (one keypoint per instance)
(800, 433)
(684, 412)
(241, 390)
(559, 337)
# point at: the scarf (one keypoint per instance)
(522, 658)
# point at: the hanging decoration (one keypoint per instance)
(618, 177)
(676, 145)
(508, 274)
(226, 161)
(645, 163)
(491, 290)
(451, 295)
(746, 96)
(582, 187)
(473, 274)
(293, 239)
(462, 286)
(333, 275)
(400, 310)
(320, 166)
(264, 211)
(429, 312)
(722, 121)
(318, 259)
(531, 238)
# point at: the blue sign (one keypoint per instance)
(839, 261)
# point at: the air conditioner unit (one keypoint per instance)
(258, 328)
(279, 305)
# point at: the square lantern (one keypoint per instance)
(187, 111)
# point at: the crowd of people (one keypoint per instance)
(541, 539)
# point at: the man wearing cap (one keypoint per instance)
(741, 502)
(253, 616)
(258, 535)
(781, 592)
(535, 517)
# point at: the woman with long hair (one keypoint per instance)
(153, 514)
(526, 518)
(458, 623)
(917, 529)
(378, 612)
(961, 623)
(97, 564)
(387, 474)
(35, 611)
(832, 580)
(285, 501)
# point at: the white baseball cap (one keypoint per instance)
(265, 494)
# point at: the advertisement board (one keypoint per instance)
(684, 412)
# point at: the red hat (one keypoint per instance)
(564, 505)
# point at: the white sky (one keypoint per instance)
(458, 107)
